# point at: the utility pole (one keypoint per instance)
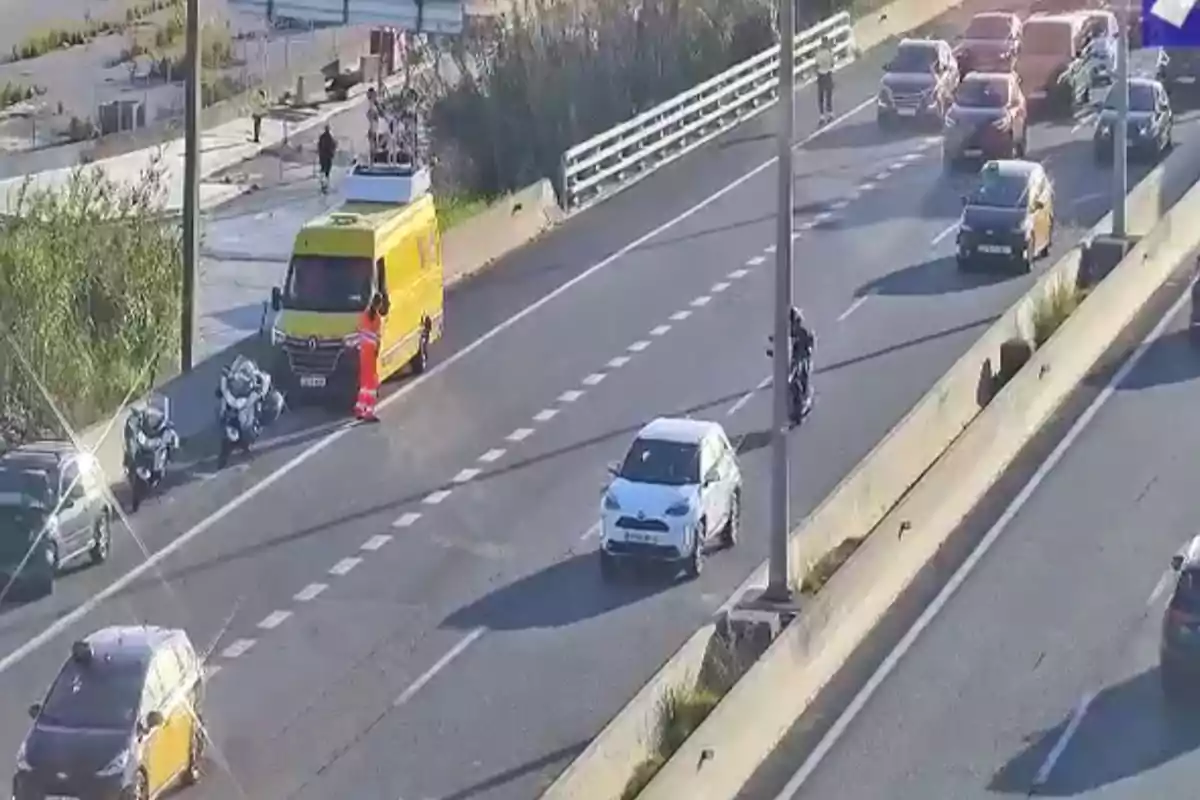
(1120, 185)
(779, 588)
(191, 186)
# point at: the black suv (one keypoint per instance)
(53, 513)
(1179, 650)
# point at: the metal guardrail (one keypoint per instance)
(624, 154)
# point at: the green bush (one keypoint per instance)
(680, 712)
(89, 300)
(39, 44)
(455, 209)
(13, 93)
(1052, 310)
(558, 73)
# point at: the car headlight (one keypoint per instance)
(680, 509)
(116, 766)
(22, 763)
(610, 502)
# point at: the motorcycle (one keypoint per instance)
(800, 396)
(150, 443)
(247, 405)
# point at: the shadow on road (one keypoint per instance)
(937, 276)
(1128, 730)
(562, 594)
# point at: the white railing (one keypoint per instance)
(624, 154)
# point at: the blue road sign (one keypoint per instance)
(1170, 23)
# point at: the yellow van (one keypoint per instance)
(384, 238)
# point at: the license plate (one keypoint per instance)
(906, 112)
(312, 381)
(642, 538)
(995, 248)
(973, 151)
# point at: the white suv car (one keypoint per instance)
(678, 488)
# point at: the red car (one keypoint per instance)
(988, 120)
(990, 43)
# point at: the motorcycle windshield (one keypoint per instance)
(240, 384)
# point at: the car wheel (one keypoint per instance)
(733, 526)
(695, 559)
(608, 568)
(101, 539)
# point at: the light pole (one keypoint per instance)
(779, 588)
(191, 186)
(1120, 185)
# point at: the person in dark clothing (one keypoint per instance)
(326, 148)
(804, 341)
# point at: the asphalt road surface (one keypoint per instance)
(414, 610)
(1040, 674)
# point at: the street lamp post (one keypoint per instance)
(1120, 185)
(191, 186)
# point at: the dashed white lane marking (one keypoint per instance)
(345, 565)
(858, 301)
(495, 454)
(738, 274)
(769, 250)
(748, 396)
(882, 176)
(274, 620)
(433, 498)
(824, 216)
(520, 435)
(467, 474)
(638, 346)
(719, 287)
(701, 301)
(807, 225)
(839, 205)
(594, 379)
(570, 396)
(617, 362)
(545, 415)
(1064, 739)
(868, 186)
(376, 542)
(661, 330)
(407, 519)
(758, 260)
(681, 315)
(438, 666)
(237, 648)
(951, 228)
(911, 157)
(310, 592)
(896, 166)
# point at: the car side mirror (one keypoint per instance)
(34, 710)
(385, 306)
(154, 719)
(276, 298)
(1177, 562)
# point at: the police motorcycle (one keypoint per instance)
(150, 444)
(248, 403)
(800, 394)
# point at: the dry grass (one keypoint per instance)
(75, 33)
(1052, 310)
(680, 712)
(824, 568)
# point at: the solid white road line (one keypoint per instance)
(741, 402)
(835, 733)
(858, 301)
(440, 665)
(1060, 747)
(65, 621)
(951, 228)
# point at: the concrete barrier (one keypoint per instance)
(864, 497)
(753, 718)
(504, 226)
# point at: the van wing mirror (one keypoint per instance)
(385, 306)
(34, 710)
(1177, 562)
(276, 298)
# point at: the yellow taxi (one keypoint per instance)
(121, 721)
(1008, 220)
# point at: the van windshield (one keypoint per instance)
(328, 283)
(99, 695)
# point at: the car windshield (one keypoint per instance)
(328, 283)
(982, 93)
(99, 694)
(987, 28)
(913, 58)
(1187, 592)
(25, 485)
(1046, 39)
(664, 462)
(1141, 98)
(19, 524)
(999, 191)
